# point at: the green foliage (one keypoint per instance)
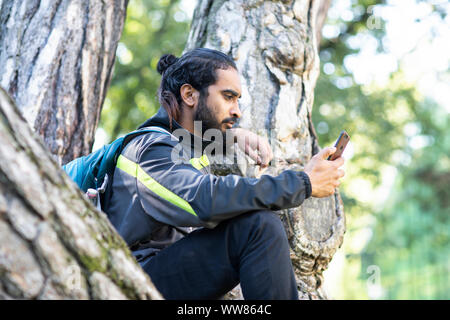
(415, 219)
(396, 132)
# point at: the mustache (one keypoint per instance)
(230, 120)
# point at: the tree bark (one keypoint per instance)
(56, 60)
(53, 243)
(275, 46)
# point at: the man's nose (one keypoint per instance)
(235, 111)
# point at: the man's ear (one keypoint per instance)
(189, 95)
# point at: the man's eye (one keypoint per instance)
(228, 97)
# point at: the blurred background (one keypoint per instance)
(385, 78)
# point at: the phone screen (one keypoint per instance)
(340, 145)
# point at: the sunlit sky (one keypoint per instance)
(416, 40)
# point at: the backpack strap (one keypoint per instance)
(104, 190)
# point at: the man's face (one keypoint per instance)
(218, 107)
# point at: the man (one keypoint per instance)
(157, 199)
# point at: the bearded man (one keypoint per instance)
(196, 234)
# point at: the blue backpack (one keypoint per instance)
(93, 173)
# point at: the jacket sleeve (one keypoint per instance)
(180, 195)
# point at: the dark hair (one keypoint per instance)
(196, 67)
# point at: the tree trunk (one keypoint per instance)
(275, 46)
(53, 243)
(56, 59)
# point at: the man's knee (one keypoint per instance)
(263, 224)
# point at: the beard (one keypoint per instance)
(206, 116)
(209, 120)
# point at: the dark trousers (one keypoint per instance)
(251, 249)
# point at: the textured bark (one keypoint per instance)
(53, 243)
(275, 46)
(56, 59)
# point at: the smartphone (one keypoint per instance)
(340, 145)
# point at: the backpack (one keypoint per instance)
(93, 173)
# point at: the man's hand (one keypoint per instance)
(256, 147)
(324, 174)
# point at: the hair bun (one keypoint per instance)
(165, 62)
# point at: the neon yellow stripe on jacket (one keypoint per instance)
(133, 169)
(199, 163)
